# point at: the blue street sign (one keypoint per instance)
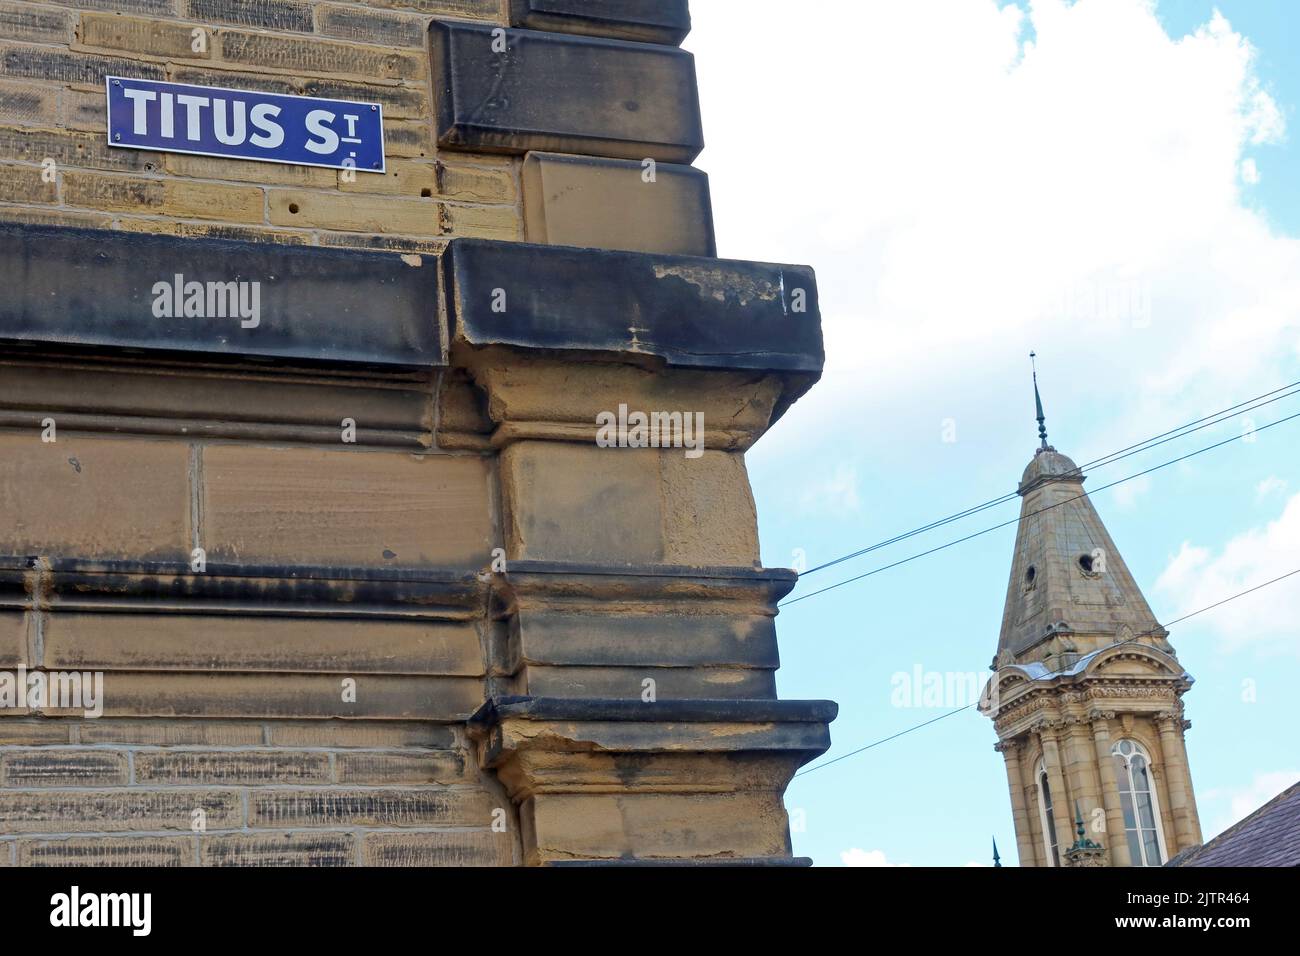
(240, 124)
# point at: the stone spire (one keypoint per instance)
(1086, 694)
(1070, 590)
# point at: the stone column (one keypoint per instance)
(1060, 795)
(1116, 838)
(1178, 782)
(1010, 750)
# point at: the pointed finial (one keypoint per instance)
(1078, 823)
(1038, 405)
(997, 860)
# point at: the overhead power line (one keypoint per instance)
(984, 531)
(1215, 418)
(1049, 676)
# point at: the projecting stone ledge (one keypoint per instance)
(624, 781)
(569, 94)
(654, 21)
(691, 312)
(90, 288)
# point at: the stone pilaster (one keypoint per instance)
(1060, 795)
(1115, 836)
(1178, 781)
(1010, 751)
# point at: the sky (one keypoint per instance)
(1113, 184)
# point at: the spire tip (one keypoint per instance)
(1038, 405)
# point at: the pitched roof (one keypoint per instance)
(1268, 837)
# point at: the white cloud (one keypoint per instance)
(1269, 485)
(857, 857)
(1197, 577)
(966, 195)
(837, 493)
(1241, 802)
(1249, 172)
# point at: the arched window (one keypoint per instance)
(1046, 818)
(1137, 797)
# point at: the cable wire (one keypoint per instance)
(976, 534)
(1049, 676)
(1154, 441)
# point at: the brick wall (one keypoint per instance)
(55, 53)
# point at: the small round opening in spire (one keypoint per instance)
(1085, 562)
(1031, 574)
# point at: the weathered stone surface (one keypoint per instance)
(23, 21)
(154, 694)
(63, 768)
(293, 15)
(26, 185)
(278, 849)
(443, 767)
(62, 66)
(478, 179)
(469, 9)
(550, 516)
(116, 810)
(345, 508)
(450, 848)
(180, 198)
(370, 26)
(387, 807)
(13, 639)
(670, 683)
(613, 204)
(93, 497)
(138, 36)
(311, 210)
(716, 313)
(29, 104)
(235, 768)
(562, 93)
(651, 638)
(108, 851)
(655, 506)
(172, 733)
(33, 732)
(370, 733)
(657, 825)
(229, 643)
(300, 55)
(651, 21)
(69, 148)
(195, 403)
(80, 287)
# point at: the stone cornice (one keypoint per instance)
(86, 288)
(688, 312)
(163, 587)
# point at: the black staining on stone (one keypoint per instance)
(83, 288)
(570, 94)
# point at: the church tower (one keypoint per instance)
(1086, 694)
